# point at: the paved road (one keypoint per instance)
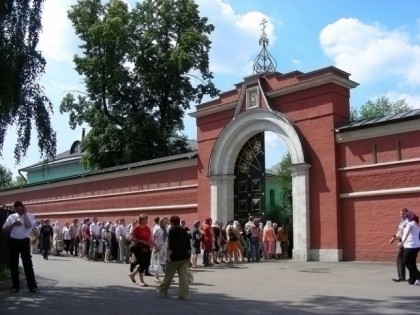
(73, 286)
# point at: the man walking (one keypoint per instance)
(400, 251)
(19, 225)
(46, 235)
(179, 253)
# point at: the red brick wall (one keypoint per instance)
(208, 130)
(361, 152)
(369, 222)
(107, 198)
(316, 112)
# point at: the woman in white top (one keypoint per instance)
(411, 243)
(58, 244)
(160, 238)
(66, 237)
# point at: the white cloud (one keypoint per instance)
(412, 100)
(275, 149)
(371, 52)
(272, 140)
(57, 34)
(235, 40)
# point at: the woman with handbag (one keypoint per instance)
(232, 242)
(141, 237)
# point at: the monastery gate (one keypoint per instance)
(349, 180)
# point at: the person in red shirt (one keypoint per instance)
(207, 241)
(141, 236)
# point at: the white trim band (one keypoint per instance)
(381, 192)
(358, 167)
(116, 210)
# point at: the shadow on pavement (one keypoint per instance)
(119, 300)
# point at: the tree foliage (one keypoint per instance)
(142, 69)
(19, 181)
(284, 212)
(5, 177)
(22, 99)
(382, 106)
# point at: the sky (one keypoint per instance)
(376, 41)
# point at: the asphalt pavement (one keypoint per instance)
(70, 285)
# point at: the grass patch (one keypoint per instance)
(5, 274)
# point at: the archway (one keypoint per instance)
(222, 163)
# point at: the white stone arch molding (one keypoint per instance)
(222, 164)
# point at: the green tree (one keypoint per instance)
(382, 106)
(142, 69)
(22, 99)
(5, 177)
(18, 181)
(284, 211)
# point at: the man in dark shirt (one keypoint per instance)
(45, 235)
(178, 259)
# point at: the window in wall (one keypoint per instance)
(76, 147)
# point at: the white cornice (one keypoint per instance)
(378, 131)
(361, 167)
(322, 80)
(381, 192)
(115, 210)
(213, 109)
(48, 164)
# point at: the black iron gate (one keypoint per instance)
(249, 179)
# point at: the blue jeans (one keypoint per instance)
(253, 249)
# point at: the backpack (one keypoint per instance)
(88, 229)
(232, 235)
(34, 233)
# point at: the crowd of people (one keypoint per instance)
(93, 241)
(150, 251)
(212, 240)
(170, 247)
(110, 241)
